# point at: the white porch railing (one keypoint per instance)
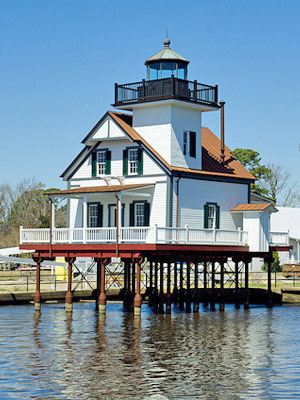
(279, 238)
(152, 234)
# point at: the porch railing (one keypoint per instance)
(279, 238)
(152, 234)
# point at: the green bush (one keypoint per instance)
(275, 266)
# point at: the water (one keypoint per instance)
(233, 355)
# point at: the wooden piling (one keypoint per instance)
(37, 296)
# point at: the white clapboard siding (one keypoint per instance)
(194, 194)
(116, 147)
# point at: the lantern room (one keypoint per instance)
(166, 63)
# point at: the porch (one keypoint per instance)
(145, 234)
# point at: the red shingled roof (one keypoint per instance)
(252, 207)
(211, 149)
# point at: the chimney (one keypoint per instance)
(222, 103)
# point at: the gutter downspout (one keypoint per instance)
(50, 236)
(177, 200)
(222, 103)
(117, 225)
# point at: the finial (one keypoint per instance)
(167, 41)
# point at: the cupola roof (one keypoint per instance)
(166, 54)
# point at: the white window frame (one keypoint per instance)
(93, 217)
(139, 217)
(101, 165)
(133, 159)
(212, 216)
(187, 143)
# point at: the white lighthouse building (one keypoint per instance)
(151, 173)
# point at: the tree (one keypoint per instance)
(275, 266)
(250, 159)
(26, 205)
(279, 187)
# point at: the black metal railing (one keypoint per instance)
(173, 88)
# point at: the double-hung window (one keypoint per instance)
(139, 213)
(189, 143)
(101, 162)
(211, 216)
(133, 158)
(95, 215)
(133, 161)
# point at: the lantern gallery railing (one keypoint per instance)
(168, 88)
(152, 234)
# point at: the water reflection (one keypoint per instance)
(210, 355)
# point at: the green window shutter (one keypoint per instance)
(125, 162)
(100, 215)
(108, 163)
(192, 144)
(217, 217)
(140, 163)
(94, 163)
(147, 213)
(205, 224)
(131, 215)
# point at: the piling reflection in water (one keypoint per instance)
(232, 355)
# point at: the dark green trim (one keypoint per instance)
(108, 162)
(94, 163)
(125, 162)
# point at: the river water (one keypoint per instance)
(234, 354)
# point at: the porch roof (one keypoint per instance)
(253, 207)
(99, 189)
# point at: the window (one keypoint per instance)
(94, 215)
(185, 134)
(101, 162)
(133, 161)
(112, 215)
(189, 143)
(211, 216)
(139, 213)
(133, 158)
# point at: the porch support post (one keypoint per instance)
(98, 284)
(205, 297)
(269, 262)
(212, 300)
(236, 290)
(84, 218)
(52, 214)
(161, 289)
(181, 289)
(221, 304)
(168, 296)
(188, 287)
(102, 297)
(138, 298)
(69, 294)
(247, 292)
(37, 296)
(196, 294)
(175, 288)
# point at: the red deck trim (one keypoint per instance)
(131, 250)
(279, 248)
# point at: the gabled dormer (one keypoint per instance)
(167, 108)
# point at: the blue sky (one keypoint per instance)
(59, 61)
